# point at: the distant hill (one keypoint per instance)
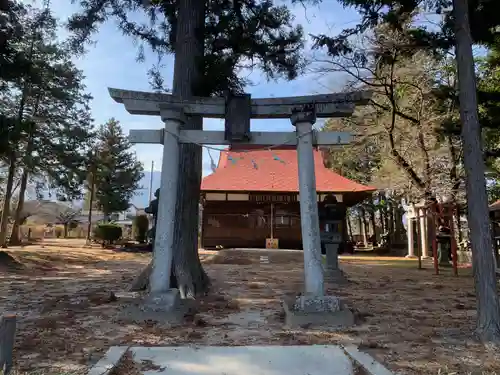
(139, 200)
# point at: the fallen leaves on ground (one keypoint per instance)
(412, 320)
(127, 366)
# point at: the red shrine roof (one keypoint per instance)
(272, 170)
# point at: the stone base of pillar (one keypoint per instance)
(164, 308)
(411, 256)
(335, 276)
(327, 311)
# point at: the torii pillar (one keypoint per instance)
(309, 219)
(159, 280)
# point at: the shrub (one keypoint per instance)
(107, 233)
(59, 232)
(73, 224)
(141, 226)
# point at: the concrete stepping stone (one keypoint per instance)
(247, 360)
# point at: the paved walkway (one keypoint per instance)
(245, 360)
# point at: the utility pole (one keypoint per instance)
(93, 169)
(151, 181)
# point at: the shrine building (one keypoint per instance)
(253, 196)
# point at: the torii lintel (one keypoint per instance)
(325, 105)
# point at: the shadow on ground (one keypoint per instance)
(409, 319)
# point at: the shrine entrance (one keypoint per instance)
(237, 111)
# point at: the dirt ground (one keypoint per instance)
(411, 320)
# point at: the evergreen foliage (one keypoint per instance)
(238, 34)
(47, 127)
(52, 120)
(483, 20)
(118, 171)
(11, 30)
(141, 225)
(107, 233)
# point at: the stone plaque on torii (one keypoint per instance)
(237, 111)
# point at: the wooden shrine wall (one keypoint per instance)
(247, 224)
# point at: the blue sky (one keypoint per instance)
(112, 63)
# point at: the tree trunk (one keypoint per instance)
(13, 159)
(398, 222)
(374, 223)
(488, 311)
(91, 202)
(362, 233)
(364, 223)
(349, 227)
(455, 180)
(14, 235)
(458, 214)
(189, 51)
(7, 199)
(391, 226)
(382, 220)
(387, 221)
(383, 214)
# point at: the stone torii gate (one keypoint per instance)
(237, 111)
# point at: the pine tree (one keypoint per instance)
(118, 171)
(187, 273)
(15, 92)
(11, 29)
(50, 135)
(236, 34)
(212, 41)
(11, 64)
